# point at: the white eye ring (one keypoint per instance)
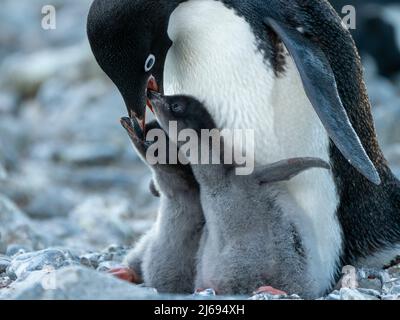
(150, 62)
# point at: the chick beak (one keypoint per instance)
(152, 86)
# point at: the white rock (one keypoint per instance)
(77, 283)
(354, 294)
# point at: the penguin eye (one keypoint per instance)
(150, 62)
(177, 108)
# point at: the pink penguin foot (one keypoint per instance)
(271, 291)
(125, 274)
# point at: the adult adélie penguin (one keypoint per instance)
(286, 69)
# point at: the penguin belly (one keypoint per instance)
(215, 58)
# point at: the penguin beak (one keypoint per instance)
(158, 103)
(155, 100)
(137, 102)
(152, 86)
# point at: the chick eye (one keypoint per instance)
(177, 108)
(150, 62)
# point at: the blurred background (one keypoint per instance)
(65, 160)
(68, 175)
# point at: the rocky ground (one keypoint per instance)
(73, 194)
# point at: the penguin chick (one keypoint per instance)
(165, 256)
(254, 232)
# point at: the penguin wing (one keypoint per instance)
(321, 88)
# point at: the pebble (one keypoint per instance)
(355, 294)
(72, 190)
(5, 261)
(49, 258)
(394, 272)
(373, 284)
(90, 260)
(206, 293)
(5, 282)
(106, 259)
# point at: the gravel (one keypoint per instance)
(70, 183)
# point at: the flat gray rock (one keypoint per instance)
(77, 283)
(50, 259)
(73, 185)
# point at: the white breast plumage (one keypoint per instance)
(215, 58)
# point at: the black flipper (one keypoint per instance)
(321, 88)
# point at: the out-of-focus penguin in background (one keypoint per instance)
(375, 32)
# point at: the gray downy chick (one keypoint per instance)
(256, 234)
(165, 256)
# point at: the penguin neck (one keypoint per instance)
(208, 165)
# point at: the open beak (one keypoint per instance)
(155, 99)
(152, 86)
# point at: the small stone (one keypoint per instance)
(335, 295)
(374, 284)
(370, 292)
(4, 263)
(106, 266)
(391, 286)
(114, 253)
(206, 293)
(90, 260)
(114, 248)
(34, 261)
(354, 294)
(391, 297)
(394, 271)
(5, 282)
(396, 290)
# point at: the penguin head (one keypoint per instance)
(130, 44)
(186, 111)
